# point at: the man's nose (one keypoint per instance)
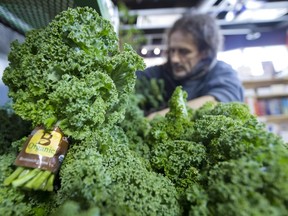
(174, 57)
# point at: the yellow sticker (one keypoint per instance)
(44, 143)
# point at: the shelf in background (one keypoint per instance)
(263, 82)
(272, 95)
(274, 118)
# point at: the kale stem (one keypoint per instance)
(25, 178)
(13, 176)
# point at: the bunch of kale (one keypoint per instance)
(72, 73)
(221, 159)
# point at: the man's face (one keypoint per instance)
(183, 54)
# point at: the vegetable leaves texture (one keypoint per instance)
(72, 73)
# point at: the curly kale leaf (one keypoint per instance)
(177, 124)
(235, 110)
(240, 170)
(86, 101)
(103, 172)
(152, 94)
(70, 208)
(134, 186)
(246, 187)
(179, 160)
(246, 165)
(136, 127)
(83, 177)
(230, 133)
(72, 73)
(178, 104)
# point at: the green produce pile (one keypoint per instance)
(72, 74)
(151, 94)
(217, 160)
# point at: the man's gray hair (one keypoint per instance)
(203, 28)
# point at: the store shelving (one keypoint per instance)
(274, 118)
(268, 100)
(264, 82)
(268, 97)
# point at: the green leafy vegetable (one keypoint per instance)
(223, 162)
(151, 94)
(72, 73)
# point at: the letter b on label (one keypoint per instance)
(45, 139)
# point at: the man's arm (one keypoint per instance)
(194, 104)
(200, 101)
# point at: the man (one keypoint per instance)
(193, 43)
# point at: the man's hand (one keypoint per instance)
(200, 101)
(161, 112)
(193, 104)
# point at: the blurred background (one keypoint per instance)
(255, 40)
